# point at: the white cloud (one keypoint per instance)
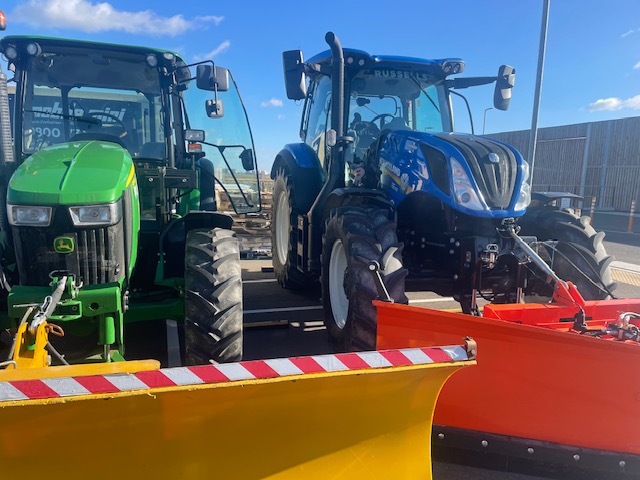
(280, 117)
(223, 47)
(614, 103)
(274, 102)
(629, 32)
(215, 19)
(636, 66)
(92, 17)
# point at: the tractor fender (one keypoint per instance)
(172, 239)
(302, 164)
(545, 198)
(207, 190)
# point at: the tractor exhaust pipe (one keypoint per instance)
(337, 82)
(336, 168)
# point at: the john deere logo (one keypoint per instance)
(63, 245)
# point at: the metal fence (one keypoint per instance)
(598, 159)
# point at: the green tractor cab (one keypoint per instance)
(110, 189)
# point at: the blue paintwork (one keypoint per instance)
(404, 171)
(301, 155)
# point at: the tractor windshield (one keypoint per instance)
(74, 92)
(396, 99)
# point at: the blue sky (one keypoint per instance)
(592, 70)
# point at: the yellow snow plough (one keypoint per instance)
(346, 416)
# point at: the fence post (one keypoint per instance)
(631, 212)
(593, 209)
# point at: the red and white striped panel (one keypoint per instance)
(226, 372)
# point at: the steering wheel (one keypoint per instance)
(381, 119)
(115, 121)
(363, 128)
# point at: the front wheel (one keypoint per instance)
(573, 249)
(354, 237)
(213, 297)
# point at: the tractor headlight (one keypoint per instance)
(524, 199)
(465, 194)
(29, 215)
(92, 215)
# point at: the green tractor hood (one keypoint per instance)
(76, 173)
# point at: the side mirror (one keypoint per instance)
(210, 78)
(214, 108)
(247, 159)
(294, 76)
(504, 84)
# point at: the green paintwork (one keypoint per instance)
(106, 297)
(134, 213)
(67, 311)
(76, 173)
(107, 331)
(93, 308)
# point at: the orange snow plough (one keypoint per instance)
(556, 382)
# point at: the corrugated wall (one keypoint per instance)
(600, 159)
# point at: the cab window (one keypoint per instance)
(319, 117)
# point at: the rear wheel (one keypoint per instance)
(354, 237)
(574, 250)
(283, 234)
(213, 297)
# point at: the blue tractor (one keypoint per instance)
(379, 182)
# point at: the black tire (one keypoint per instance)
(213, 297)
(365, 234)
(573, 248)
(284, 246)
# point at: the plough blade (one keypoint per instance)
(537, 381)
(347, 416)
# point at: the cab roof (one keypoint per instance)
(362, 60)
(64, 42)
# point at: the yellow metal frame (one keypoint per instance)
(35, 356)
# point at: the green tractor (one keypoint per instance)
(111, 200)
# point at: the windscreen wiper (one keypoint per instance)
(417, 83)
(79, 118)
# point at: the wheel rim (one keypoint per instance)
(283, 226)
(337, 296)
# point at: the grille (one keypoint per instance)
(496, 180)
(97, 256)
